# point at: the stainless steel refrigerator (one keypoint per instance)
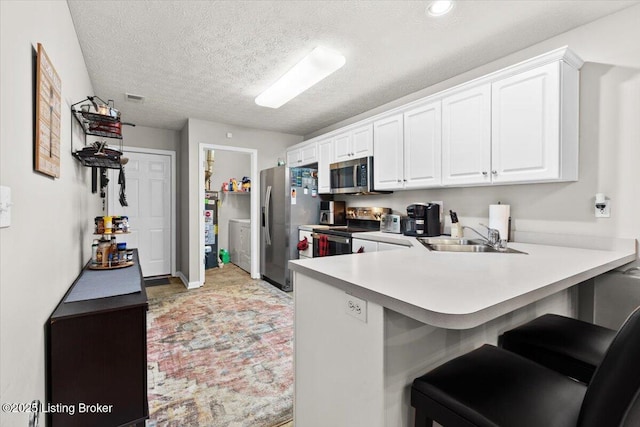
(288, 198)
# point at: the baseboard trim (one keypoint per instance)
(186, 283)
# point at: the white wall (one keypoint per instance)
(183, 205)
(270, 146)
(148, 137)
(49, 239)
(230, 164)
(609, 142)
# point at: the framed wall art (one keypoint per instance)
(47, 120)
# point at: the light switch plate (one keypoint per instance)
(5, 206)
(355, 307)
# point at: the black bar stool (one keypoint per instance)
(491, 387)
(569, 346)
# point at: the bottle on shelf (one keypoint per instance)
(94, 252)
(102, 257)
(113, 251)
(108, 224)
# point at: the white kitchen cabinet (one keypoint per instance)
(407, 149)
(302, 156)
(354, 144)
(307, 253)
(240, 243)
(466, 136)
(515, 125)
(388, 153)
(518, 129)
(422, 146)
(534, 125)
(325, 158)
(367, 245)
(374, 246)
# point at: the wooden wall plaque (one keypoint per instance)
(47, 126)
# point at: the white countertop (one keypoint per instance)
(310, 227)
(393, 238)
(461, 290)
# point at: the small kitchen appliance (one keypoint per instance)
(425, 220)
(390, 223)
(333, 213)
(353, 177)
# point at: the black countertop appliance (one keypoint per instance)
(425, 220)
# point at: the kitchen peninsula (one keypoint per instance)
(367, 324)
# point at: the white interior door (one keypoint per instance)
(148, 194)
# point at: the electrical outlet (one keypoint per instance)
(604, 212)
(355, 307)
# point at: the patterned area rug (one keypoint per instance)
(221, 357)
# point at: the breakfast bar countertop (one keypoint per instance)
(463, 290)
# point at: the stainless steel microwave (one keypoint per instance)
(353, 176)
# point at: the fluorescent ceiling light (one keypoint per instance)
(440, 7)
(310, 70)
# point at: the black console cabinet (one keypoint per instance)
(97, 359)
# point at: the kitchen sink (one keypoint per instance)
(462, 245)
(445, 241)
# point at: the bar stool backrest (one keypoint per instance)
(615, 386)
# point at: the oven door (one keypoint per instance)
(330, 244)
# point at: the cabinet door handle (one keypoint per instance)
(484, 173)
(404, 180)
(399, 180)
(494, 172)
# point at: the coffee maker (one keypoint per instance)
(424, 220)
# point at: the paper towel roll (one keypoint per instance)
(499, 219)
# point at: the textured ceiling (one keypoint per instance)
(210, 59)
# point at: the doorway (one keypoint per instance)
(253, 196)
(150, 196)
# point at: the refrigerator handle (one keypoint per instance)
(267, 209)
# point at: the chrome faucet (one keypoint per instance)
(492, 238)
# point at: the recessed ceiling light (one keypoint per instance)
(314, 67)
(440, 7)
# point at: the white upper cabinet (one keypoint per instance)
(302, 156)
(422, 146)
(525, 137)
(388, 153)
(466, 137)
(522, 128)
(325, 158)
(407, 149)
(362, 141)
(515, 125)
(342, 147)
(354, 144)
